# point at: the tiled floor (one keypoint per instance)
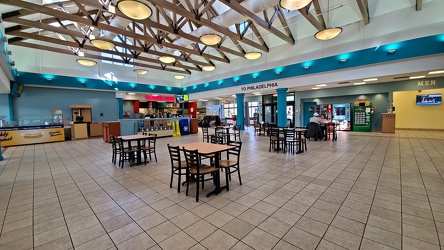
(365, 191)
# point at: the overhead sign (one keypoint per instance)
(269, 85)
(160, 98)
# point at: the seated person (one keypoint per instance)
(324, 119)
(316, 119)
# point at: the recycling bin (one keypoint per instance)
(184, 127)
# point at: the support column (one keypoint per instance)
(182, 105)
(240, 110)
(120, 103)
(282, 107)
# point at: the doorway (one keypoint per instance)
(270, 113)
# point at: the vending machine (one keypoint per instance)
(362, 118)
(342, 116)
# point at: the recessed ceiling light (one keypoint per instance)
(321, 85)
(179, 77)
(233, 95)
(436, 72)
(131, 93)
(370, 79)
(359, 83)
(316, 88)
(416, 77)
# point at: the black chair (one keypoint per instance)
(115, 147)
(178, 167)
(314, 131)
(303, 138)
(150, 147)
(205, 135)
(232, 165)
(219, 133)
(125, 153)
(236, 132)
(198, 170)
(275, 139)
(290, 140)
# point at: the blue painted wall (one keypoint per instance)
(4, 106)
(35, 101)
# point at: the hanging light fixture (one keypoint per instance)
(140, 71)
(102, 44)
(179, 77)
(328, 33)
(210, 39)
(86, 62)
(294, 4)
(252, 55)
(134, 9)
(167, 59)
(209, 67)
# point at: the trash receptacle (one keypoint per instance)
(184, 127)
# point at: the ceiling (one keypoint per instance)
(43, 33)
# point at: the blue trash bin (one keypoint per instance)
(184, 127)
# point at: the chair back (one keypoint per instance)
(289, 134)
(192, 158)
(152, 140)
(113, 141)
(205, 134)
(174, 154)
(235, 151)
(119, 143)
(219, 133)
(273, 132)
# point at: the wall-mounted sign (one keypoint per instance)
(260, 86)
(427, 83)
(160, 98)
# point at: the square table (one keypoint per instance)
(205, 148)
(138, 139)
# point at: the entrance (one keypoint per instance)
(270, 113)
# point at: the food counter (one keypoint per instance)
(160, 126)
(23, 135)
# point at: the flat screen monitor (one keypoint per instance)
(429, 99)
(181, 98)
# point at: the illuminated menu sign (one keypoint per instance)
(160, 98)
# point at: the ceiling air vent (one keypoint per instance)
(401, 78)
(343, 82)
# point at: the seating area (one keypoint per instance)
(337, 194)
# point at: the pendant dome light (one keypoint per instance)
(86, 62)
(328, 33)
(294, 4)
(134, 9)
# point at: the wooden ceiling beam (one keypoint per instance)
(283, 20)
(363, 7)
(306, 13)
(318, 10)
(418, 5)
(97, 57)
(258, 21)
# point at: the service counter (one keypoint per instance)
(24, 135)
(160, 126)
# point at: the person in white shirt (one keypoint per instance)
(316, 119)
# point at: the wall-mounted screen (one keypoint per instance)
(181, 98)
(429, 99)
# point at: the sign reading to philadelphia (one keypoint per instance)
(260, 86)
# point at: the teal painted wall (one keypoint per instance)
(35, 101)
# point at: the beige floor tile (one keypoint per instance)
(58, 244)
(372, 245)
(383, 236)
(386, 224)
(200, 230)
(151, 221)
(242, 246)
(214, 241)
(172, 211)
(253, 217)
(420, 233)
(142, 212)
(102, 242)
(312, 226)
(410, 243)
(301, 239)
(141, 241)
(87, 234)
(21, 244)
(219, 218)
(185, 220)
(348, 225)
(17, 225)
(343, 238)
(237, 228)
(163, 231)
(203, 210)
(15, 235)
(275, 227)
(50, 235)
(178, 241)
(353, 214)
(234, 209)
(286, 216)
(117, 222)
(418, 221)
(296, 207)
(327, 245)
(259, 239)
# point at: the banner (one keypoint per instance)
(30, 136)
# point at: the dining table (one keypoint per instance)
(138, 139)
(206, 148)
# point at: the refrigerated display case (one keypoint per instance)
(362, 118)
(342, 116)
